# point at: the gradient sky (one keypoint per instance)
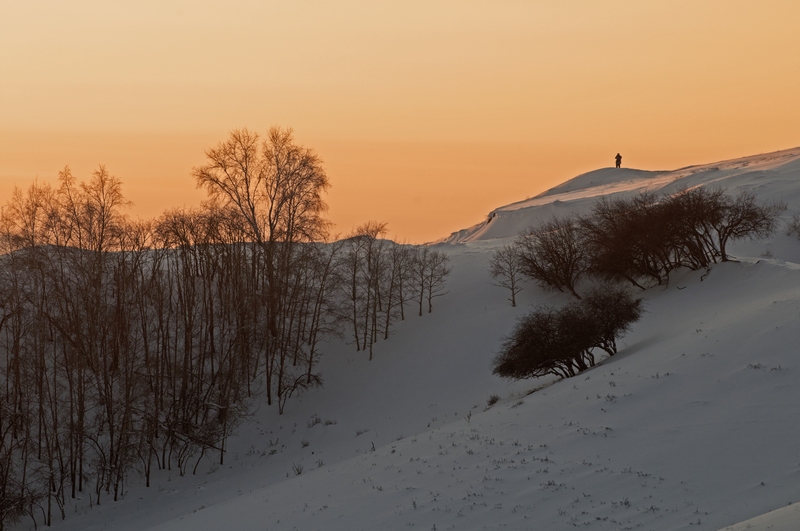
(428, 114)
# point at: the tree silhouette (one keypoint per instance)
(506, 268)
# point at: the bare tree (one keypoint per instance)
(395, 285)
(744, 218)
(277, 188)
(429, 271)
(554, 254)
(438, 269)
(631, 239)
(505, 266)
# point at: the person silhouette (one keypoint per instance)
(618, 158)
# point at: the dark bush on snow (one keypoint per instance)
(562, 341)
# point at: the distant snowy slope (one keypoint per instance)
(773, 176)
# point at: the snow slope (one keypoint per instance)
(693, 425)
(771, 176)
(783, 519)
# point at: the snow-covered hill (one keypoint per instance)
(693, 425)
(771, 176)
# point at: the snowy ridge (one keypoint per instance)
(691, 426)
(765, 174)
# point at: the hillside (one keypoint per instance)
(690, 426)
(771, 176)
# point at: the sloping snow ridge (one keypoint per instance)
(771, 176)
(692, 425)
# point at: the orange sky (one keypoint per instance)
(428, 114)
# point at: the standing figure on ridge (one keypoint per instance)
(618, 158)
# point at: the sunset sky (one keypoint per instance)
(428, 114)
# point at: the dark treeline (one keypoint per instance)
(639, 240)
(129, 346)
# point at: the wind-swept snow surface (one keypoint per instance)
(692, 425)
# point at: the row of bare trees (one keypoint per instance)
(133, 346)
(379, 277)
(639, 240)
